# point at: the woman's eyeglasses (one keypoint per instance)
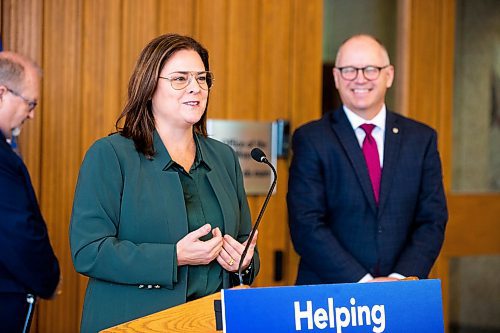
(180, 80)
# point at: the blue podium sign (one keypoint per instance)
(393, 307)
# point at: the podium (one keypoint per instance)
(194, 316)
(395, 307)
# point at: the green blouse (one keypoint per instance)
(202, 207)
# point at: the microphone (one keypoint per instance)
(259, 156)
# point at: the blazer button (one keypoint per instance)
(157, 286)
(150, 286)
(380, 230)
(141, 286)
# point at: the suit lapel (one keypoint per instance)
(392, 144)
(225, 201)
(221, 194)
(343, 128)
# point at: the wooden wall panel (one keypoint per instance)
(139, 26)
(272, 75)
(306, 65)
(431, 43)
(176, 17)
(241, 65)
(273, 71)
(62, 96)
(305, 82)
(242, 60)
(212, 30)
(476, 210)
(103, 90)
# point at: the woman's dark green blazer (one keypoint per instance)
(128, 215)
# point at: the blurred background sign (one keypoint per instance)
(243, 136)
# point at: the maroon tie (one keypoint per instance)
(372, 159)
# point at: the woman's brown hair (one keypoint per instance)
(139, 121)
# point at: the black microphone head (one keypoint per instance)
(258, 155)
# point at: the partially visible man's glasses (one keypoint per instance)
(180, 80)
(370, 73)
(31, 103)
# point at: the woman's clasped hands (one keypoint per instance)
(191, 250)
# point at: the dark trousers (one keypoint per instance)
(14, 311)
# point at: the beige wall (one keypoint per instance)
(474, 283)
(476, 166)
(344, 18)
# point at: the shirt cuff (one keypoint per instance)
(366, 278)
(397, 276)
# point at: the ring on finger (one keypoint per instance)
(231, 262)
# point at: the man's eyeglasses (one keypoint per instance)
(180, 80)
(370, 73)
(31, 103)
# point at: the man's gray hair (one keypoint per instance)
(13, 70)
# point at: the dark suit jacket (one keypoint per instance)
(129, 213)
(27, 261)
(336, 226)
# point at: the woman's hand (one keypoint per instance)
(193, 251)
(230, 256)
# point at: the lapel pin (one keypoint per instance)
(395, 130)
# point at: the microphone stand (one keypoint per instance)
(264, 160)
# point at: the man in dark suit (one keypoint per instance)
(28, 266)
(365, 196)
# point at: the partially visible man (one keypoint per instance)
(365, 196)
(28, 266)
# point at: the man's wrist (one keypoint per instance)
(397, 276)
(366, 278)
